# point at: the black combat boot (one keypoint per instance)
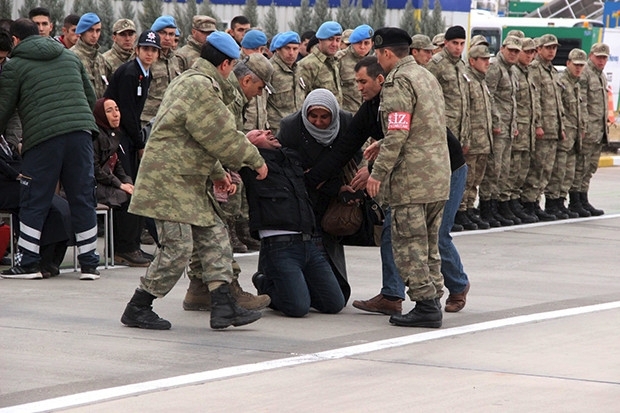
(486, 214)
(588, 206)
(426, 313)
(542, 215)
(475, 218)
(225, 311)
(505, 222)
(566, 211)
(463, 220)
(517, 209)
(139, 313)
(457, 228)
(503, 208)
(575, 205)
(552, 208)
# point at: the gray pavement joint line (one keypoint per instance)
(102, 395)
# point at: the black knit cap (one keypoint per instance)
(391, 36)
(455, 32)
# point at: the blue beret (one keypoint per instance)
(274, 40)
(86, 22)
(253, 39)
(225, 44)
(163, 22)
(360, 33)
(285, 38)
(329, 29)
(177, 32)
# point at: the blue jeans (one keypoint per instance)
(393, 285)
(454, 277)
(297, 277)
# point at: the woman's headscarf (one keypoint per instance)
(325, 99)
(100, 116)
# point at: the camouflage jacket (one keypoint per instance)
(451, 74)
(116, 56)
(502, 86)
(574, 107)
(528, 105)
(289, 95)
(237, 102)
(194, 129)
(317, 70)
(188, 54)
(255, 114)
(413, 164)
(594, 93)
(97, 68)
(164, 70)
(351, 97)
(544, 78)
(480, 108)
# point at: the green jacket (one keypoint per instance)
(50, 89)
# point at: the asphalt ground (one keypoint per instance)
(539, 333)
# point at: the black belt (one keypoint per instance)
(288, 238)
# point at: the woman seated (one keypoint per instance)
(114, 186)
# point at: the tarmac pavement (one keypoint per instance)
(538, 334)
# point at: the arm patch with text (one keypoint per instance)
(399, 121)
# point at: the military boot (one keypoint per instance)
(238, 247)
(139, 313)
(426, 313)
(518, 211)
(566, 211)
(486, 214)
(542, 215)
(225, 311)
(197, 297)
(575, 205)
(247, 300)
(242, 227)
(463, 220)
(588, 207)
(475, 218)
(503, 208)
(505, 222)
(552, 208)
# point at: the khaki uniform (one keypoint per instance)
(194, 130)
(163, 70)
(188, 54)
(351, 97)
(289, 95)
(502, 86)
(116, 56)
(544, 78)
(98, 69)
(255, 114)
(414, 169)
(317, 70)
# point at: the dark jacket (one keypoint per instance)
(105, 147)
(280, 201)
(10, 165)
(50, 89)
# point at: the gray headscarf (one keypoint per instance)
(326, 99)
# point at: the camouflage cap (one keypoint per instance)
(122, 25)
(420, 41)
(578, 57)
(479, 51)
(204, 23)
(438, 39)
(600, 49)
(512, 42)
(548, 40)
(261, 67)
(479, 40)
(516, 33)
(345, 36)
(528, 44)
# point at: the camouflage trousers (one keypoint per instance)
(415, 233)
(495, 185)
(477, 165)
(541, 166)
(563, 172)
(519, 167)
(586, 165)
(178, 242)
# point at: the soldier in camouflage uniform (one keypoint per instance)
(255, 110)
(290, 96)
(165, 68)
(360, 45)
(124, 38)
(202, 26)
(494, 188)
(523, 142)
(87, 49)
(194, 131)
(320, 69)
(549, 128)
(439, 42)
(414, 167)
(422, 49)
(574, 126)
(594, 93)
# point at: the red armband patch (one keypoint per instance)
(399, 121)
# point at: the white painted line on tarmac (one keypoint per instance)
(95, 396)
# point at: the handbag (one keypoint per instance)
(342, 219)
(369, 233)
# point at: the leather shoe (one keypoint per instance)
(380, 304)
(456, 302)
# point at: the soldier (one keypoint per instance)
(594, 93)
(574, 126)
(345, 42)
(414, 165)
(494, 191)
(254, 41)
(41, 16)
(202, 26)
(422, 49)
(523, 143)
(289, 97)
(516, 33)
(69, 38)
(478, 40)
(360, 41)
(549, 128)
(238, 26)
(320, 68)
(439, 42)
(124, 38)
(194, 131)
(87, 49)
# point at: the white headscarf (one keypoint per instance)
(326, 99)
